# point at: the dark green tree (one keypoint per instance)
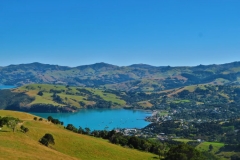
(24, 129)
(210, 147)
(80, 130)
(47, 139)
(87, 130)
(50, 118)
(71, 128)
(183, 152)
(40, 93)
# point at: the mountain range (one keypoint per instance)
(136, 77)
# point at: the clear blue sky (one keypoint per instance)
(120, 32)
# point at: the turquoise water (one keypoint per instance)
(6, 87)
(100, 119)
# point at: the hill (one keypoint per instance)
(57, 98)
(68, 145)
(137, 77)
(60, 98)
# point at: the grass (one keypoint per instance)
(68, 145)
(145, 104)
(182, 101)
(107, 96)
(182, 140)
(205, 146)
(216, 146)
(69, 95)
(163, 113)
(190, 88)
(220, 81)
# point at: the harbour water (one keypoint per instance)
(6, 86)
(100, 119)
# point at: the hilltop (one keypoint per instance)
(68, 145)
(137, 77)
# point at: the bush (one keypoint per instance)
(40, 93)
(50, 118)
(24, 129)
(47, 139)
(44, 141)
(35, 118)
(183, 152)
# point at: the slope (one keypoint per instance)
(68, 145)
(65, 98)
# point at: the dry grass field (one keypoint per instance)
(68, 145)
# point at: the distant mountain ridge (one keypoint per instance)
(136, 77)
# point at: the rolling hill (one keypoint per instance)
(60, 98)
(57, 98)
(68, 145)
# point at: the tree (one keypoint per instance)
(71, 128)
(35, 118)
(12, 124)
(50, 118)
(135, 142)
(87, 130)
(44, 141)
(40, 93)
(24, 129)
(80, 130)
(47, 139)
(146, 146)
(183, 152)
(235, 157)
(210, 147)
(1, 122)
(160, 150)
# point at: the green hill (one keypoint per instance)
(60, 98)
(51, 98)
(68, 145)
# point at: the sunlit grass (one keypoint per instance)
(68, 145)
(68, 94)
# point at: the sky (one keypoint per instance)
(120, 32)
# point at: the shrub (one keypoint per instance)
(47, 139)
(24, 129)
(40, 93)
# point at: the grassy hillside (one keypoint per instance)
(68, 145)
(78, 97)
(60, 98)
(204, 146)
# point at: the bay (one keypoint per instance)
(100, 119)
(6, 87)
